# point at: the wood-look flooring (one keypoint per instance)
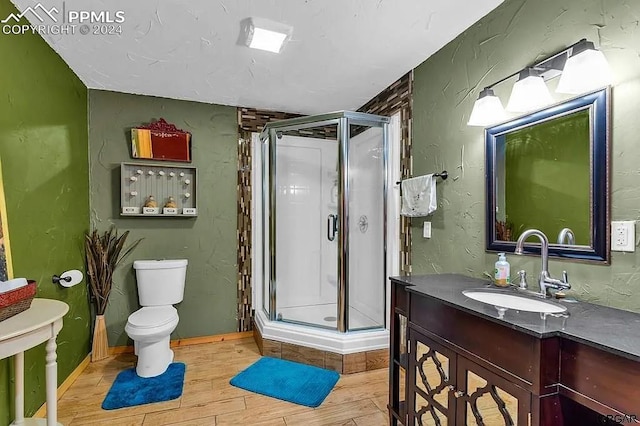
(208, 398)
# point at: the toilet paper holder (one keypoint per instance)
(68, 278)
(56, 279)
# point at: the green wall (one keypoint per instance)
(43, 149)
(549, 165)
(208, 241)
(446, 85)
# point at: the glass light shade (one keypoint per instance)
(584, 72)
(267, 40)
(529, 93)
(487, 110)
(264, 34)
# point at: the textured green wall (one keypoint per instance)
(549, 165)
(514, 35)
(43, 149)
(208, 241)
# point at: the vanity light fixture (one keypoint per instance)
(529, 92)
(264, 34)
(487, 110)
(586, 69)
(581, 66)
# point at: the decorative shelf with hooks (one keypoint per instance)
(158, 190)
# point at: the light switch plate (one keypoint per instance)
(426, 231)
(623, 235)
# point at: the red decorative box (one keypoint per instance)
(15, 301)
(160, 140)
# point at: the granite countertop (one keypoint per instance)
(612, 330)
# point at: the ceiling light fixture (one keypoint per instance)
(581, 66)
(264, 34)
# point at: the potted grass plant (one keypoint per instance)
(104, 252)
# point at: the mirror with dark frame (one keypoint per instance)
(549, 170)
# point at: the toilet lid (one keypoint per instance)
(153, 316)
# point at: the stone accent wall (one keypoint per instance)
(249, 120)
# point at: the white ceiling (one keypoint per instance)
(342, 52)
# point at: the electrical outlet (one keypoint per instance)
(426, 230)
(623, 236)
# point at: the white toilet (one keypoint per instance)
(160, 285)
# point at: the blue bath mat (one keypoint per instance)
(129, 389)
(287, 380)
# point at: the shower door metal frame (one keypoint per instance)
(343, 120)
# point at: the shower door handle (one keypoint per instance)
(332, 226)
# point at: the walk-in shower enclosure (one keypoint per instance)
(324, 219)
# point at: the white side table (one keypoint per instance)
(41, 322)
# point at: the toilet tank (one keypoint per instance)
(160, 282)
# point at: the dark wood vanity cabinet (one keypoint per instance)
(450, 367)
(431, 376)
(447, 389)
(398, 359)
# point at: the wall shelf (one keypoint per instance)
(139, 181)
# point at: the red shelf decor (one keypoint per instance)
(160, 140)
(15, 301)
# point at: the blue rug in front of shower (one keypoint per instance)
(129, 389)
(287, 380)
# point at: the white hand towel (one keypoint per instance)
(6, 286)
(419, 196)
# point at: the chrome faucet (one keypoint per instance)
(568, 235)
(544, 280)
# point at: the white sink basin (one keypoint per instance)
(514, 301)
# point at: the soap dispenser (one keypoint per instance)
(502, 271)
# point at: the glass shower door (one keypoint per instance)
(306, 235)
(366, 233)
